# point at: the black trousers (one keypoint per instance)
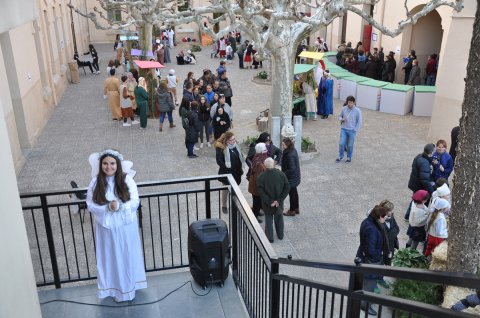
(293, 194)
(95, 64)
(257, 204)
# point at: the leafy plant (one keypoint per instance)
(306, 143)
(427, 293)
(249, 140)
(195, 48)
(408, 257)
(262, 75)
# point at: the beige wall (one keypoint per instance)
(18, 295)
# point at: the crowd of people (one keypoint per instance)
(377, 65)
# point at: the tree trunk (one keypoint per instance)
(147, 38)
(464, 232)
(283, 60)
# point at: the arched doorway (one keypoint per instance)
(425, 37)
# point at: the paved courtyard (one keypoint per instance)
(334, 197)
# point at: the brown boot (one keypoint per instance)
(289, 213)
(172, 125)
(161, 127)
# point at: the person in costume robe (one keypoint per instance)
(114, 204)
(325, 96)
(111, 90)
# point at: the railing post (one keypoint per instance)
(234, 249)
(208, 205)
(51, 243)
(274, 292)
(355, 283)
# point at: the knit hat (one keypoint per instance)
(171, 72)
(441, 204)
(443, 190)
(420, 195)
(260, 148)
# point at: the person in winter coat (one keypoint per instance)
(220, 122)
(204, 117)
(225, 88)
(165, 104)
(420, 174)
(229, 159)
(257, 167)
(273, 188)
(273, 151)
(437, 228)
(388, 69)
(373, 247)
(409, 65)
(414, 77)
(192, 129)
(371, 67)
(442, 162)
(291, 168)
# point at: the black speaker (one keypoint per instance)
(208, 251)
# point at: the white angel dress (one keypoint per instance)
(118, 248)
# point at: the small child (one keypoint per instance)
(172, 82)
(442, 192)
(229, 52)
(417, 219)
(437, 225)
(126, 104)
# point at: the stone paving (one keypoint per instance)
(334, 197)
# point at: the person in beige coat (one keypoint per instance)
(111, 89)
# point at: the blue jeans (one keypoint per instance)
(431, 80)
(347, 137)
(162, 117)
(190, 146)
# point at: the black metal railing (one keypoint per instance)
(63, 251)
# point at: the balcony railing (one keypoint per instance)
(62, 246)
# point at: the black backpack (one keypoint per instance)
(186, 120)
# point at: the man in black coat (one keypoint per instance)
(421, 172)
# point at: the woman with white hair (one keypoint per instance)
(257, 167)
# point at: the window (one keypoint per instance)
(183, 5)
(113, 13)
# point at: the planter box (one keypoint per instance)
(369, 94)
(396, 99)
(348, 85)
(423, 100)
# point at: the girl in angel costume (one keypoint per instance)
(112, 198)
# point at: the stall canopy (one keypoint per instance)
(311, 55)
(136, 52)
(302, 68)
(148, 64)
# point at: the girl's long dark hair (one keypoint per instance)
(121, 188)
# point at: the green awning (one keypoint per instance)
(425, 89)
(302, 68)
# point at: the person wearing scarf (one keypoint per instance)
(257, 168)
(373, 248)
(230, 160)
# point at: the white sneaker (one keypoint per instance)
(98, 72)
(126, 125)
(196, 148)
(208, 144)
(201, 145)
(135, 122)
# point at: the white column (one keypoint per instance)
(275, 130)
(298, 126)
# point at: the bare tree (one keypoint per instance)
(464, 232)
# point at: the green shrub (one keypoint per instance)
(250, 140)
(408, 257)
(262, 75)
(427, 293)
(306, 142)
(195, 48)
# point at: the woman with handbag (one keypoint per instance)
(165, 104)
